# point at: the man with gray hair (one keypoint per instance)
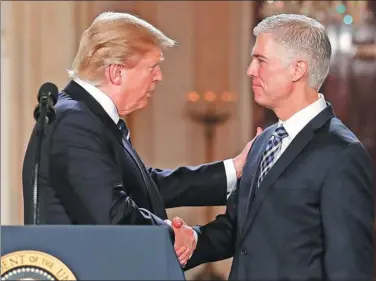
(303, 209)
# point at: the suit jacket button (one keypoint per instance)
(243, 252)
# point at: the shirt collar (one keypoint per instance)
(299, 120)
(104, 100)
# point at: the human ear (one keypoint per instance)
(299, 69)
(115, 73)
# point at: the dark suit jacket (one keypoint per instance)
(312, 217)
(90, 175)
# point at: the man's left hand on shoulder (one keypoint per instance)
(239, 161)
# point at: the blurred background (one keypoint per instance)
(204, 79)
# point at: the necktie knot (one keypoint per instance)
(280, 132)
(123, 128)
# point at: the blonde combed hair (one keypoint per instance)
(115, 38)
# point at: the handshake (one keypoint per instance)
(185, 240)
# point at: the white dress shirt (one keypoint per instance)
(298, 121)
(111, 110)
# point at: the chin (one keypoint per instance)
(132, 109)
(141, 105)
(257, 96)
(261, 101)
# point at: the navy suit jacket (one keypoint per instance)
(90, 175)
(312, 217)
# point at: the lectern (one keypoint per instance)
(88, 253)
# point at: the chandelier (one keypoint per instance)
(326, 12)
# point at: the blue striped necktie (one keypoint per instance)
(271, 151)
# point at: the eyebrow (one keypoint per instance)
(162, 59)
(259, 56)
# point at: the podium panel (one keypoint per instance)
(88, 253)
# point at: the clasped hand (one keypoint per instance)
(185, 241)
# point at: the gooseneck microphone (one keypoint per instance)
(44, 114)
(47, 97)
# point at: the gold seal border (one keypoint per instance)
(36, 256)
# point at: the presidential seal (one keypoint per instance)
(33, 265)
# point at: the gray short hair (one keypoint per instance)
(302, 37)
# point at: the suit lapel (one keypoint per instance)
(148, 185)
(292, 151)
(138, 162)
(136, 159)
(250, 172)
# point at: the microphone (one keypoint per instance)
(47, 97)
(44, 114)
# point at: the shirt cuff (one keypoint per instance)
(230, 175)
(195, 234)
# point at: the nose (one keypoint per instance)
(158, 74)
(252, 69)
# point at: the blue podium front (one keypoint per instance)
(88, 253)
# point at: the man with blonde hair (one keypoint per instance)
(303, 209)
(90, 173)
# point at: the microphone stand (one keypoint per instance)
(41, 122)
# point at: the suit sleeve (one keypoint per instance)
(87, 179)
(216, 240)
(348, 215)
(204, 185)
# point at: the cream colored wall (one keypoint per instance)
(8, 214)
(40, 41)
(34, 53)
